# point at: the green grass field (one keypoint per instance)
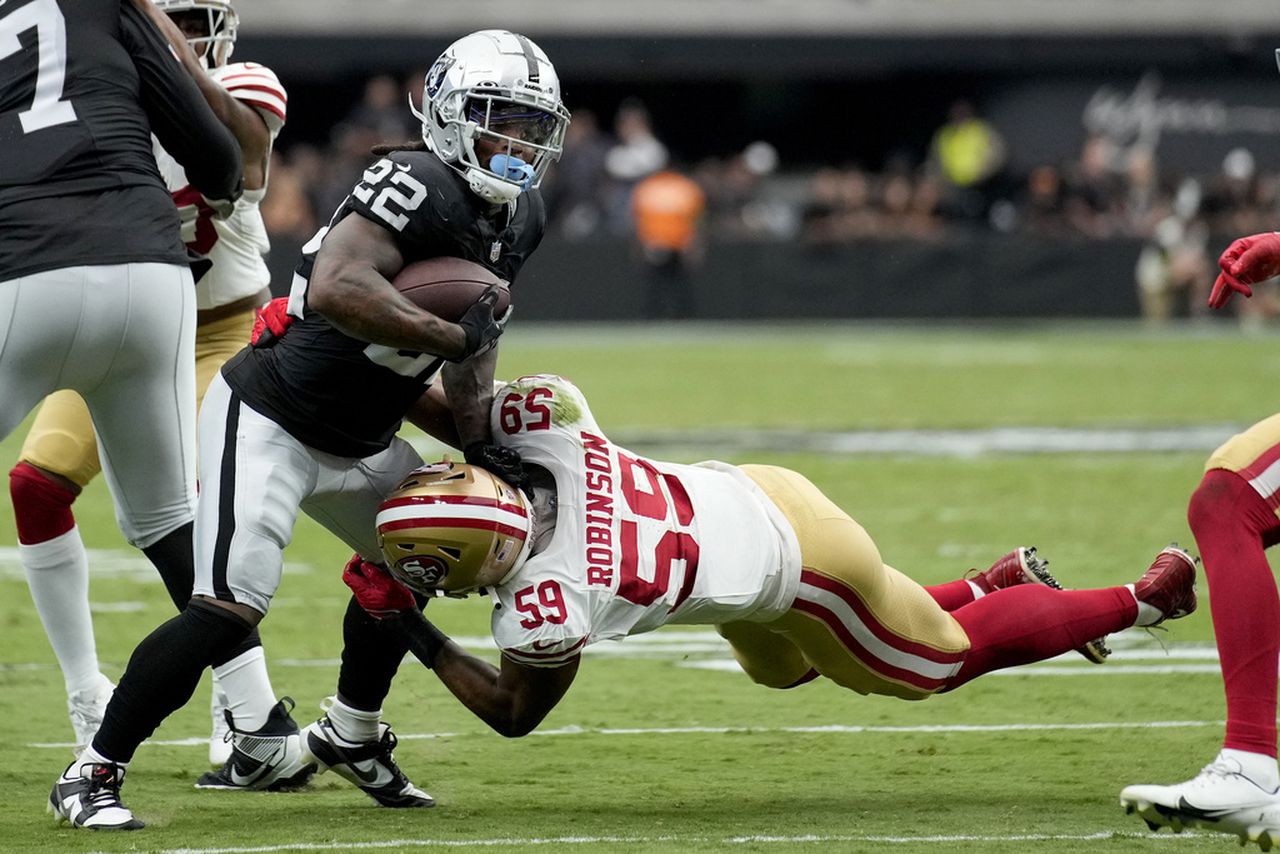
(661, 747)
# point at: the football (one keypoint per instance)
(447, 287)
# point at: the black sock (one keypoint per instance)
(163, 673)
(251, 640)
(175, 557)
(370, 657)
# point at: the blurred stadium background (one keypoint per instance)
(1112, 149)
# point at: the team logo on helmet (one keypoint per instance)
(423, 571)
(435, 77)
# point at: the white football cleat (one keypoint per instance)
(85, 708)
(369, 765)
(220, 733)
(87, 794)
(1219, 798)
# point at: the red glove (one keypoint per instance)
(1246, 262)
(273, 318)
(377, 592)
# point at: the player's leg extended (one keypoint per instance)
(352, 738)
(1233, 516)
(59, 457)
(253, 478)
(857, 621)
(216, 342)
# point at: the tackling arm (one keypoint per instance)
(242, 120)
(351, 286)
(180, 118)
(512, 699)
(469, 385)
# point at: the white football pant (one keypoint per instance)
(123, 336)
(255, 477)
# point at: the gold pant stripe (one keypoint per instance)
(905, 644)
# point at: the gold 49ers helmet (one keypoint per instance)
(452, 527)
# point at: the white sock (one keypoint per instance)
(247, 686)
(58, 575)
(978, 592)
(1258, 767)
(93, 757)
(354, 725)
(1147, 614)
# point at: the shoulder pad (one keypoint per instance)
(257, 86)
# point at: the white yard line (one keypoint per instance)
(823, 729)
(812, 839)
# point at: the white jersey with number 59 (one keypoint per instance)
(638, 543)
(234, 245)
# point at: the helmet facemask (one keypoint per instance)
(498, 90)
(220, 24)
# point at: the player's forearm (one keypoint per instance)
(469, 385)
(244, 123)
(472, 680)
(185, 125)
(362, 303)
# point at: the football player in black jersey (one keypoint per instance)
(95, 291)
(307, 420)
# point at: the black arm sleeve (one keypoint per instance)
(179, 115)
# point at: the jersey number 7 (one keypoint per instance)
(44, 16)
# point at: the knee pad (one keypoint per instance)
(41, 508)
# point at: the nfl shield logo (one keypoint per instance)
(495, 251)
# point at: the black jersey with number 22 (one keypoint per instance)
(347, 397)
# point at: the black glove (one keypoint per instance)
(504, 462)
(481, 328)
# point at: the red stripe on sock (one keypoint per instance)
(41, 508)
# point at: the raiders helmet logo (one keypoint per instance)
(435, 77)
(422, 571)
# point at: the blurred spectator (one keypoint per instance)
(968, 153)
(1174, 270)
(381, 115)
(286, 210)
(576, 191)
(636, 154)
(1094, 190)
(667, 209)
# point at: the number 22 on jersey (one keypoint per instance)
(47, 107)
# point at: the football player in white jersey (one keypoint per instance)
(60, 454)
(607, 544)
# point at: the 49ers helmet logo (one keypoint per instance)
(422, 571)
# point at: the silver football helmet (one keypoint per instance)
(219, 37)
(498, 87)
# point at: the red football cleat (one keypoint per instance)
(1169, 585)
(1023, 566)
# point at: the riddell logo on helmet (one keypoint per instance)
(423, 571)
